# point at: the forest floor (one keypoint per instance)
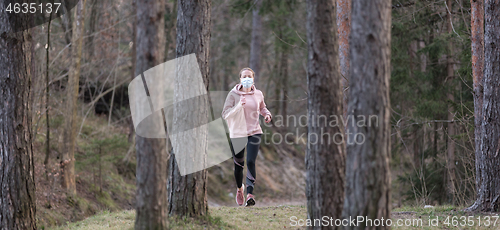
(281, 216)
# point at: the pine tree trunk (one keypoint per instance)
(276, 74)
(489, 160)
(344, 29)
(66, 20)
(17, 185)
(94, 17)
(325, 157)
(423, 56)
(368, 179)
(67, 23)
(70, 130)
(417, 143)
(134, 58)
(450, 157)
(284, 82)
(477, 43)
(47, 103)
(255, 44)
(152, 155)
(188, 193)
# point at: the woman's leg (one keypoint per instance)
(252, 151)
(239, 163)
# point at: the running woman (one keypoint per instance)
(241, 110)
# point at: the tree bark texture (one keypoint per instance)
(450, 158)
(477, 43)
(368, 179)
(344, 29)
(489, 160)
(152, 155)
(188, 193)
(325, 160)
(17, 182)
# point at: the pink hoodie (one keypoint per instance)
(237, 115)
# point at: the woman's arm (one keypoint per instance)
(263, 109)
(230, 107)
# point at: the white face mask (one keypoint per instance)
(247, 82)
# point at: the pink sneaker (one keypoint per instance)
(240, 198)
(250, 200)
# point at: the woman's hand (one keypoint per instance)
(267, 118)
(243, 100)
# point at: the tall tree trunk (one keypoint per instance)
(134, 58)
(225, 78)
(67, 22)
(47, 97)
(450, 157)
(188, 193)
(423, 56)
(255, 45)
(284, 82)
(276, 74)
(17, 193)
(477, 43)
(94, 17)
(70, 130)
(325, 157)
(368, 179)
(417, 143)
(152, 155)
(118, 57)
(489, 160)
(344, 29)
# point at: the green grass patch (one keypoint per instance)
(274, 217)
(126, 219)
(47, 217)
(280, 217)
(104, 220)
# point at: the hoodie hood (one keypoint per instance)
(237, 88)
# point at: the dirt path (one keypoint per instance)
(264, 202)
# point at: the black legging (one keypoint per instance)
(239, 162)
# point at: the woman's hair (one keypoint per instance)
(247, 68)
